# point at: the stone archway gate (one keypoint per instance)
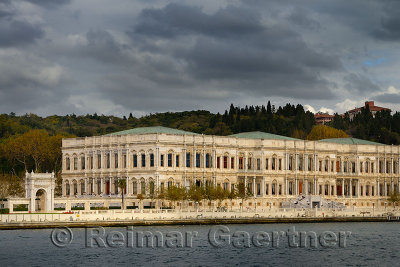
(36, 181)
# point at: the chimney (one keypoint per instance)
(369, 104)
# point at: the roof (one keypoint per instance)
(151, 130)
(349, 141)
(262, 135)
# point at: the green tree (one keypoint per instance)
(122, 187)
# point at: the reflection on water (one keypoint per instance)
(369, 244)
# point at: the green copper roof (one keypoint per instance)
(262, 135)
(151, 130)
(349, 141)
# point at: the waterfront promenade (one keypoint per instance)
(169, 217)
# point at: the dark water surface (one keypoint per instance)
(370, 244)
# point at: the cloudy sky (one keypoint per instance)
(142, 56)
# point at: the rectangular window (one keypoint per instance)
(266, 189)
(258, 164)
(134, 188)
(143, 160)
(249, 163)
(197, 160)
(280, 164)
(67, 164)
(151, 160)
(108, 160)
(169, 160)
(326, 165)
(188, 160)
(266, 164)
(99, 161)
(177, 160)
(124, 161)
(273, 163)
(91, 162)
(225, 162)
(83, 163)
(207, 160)
(218, 162)
(320, 165)
(232, 163)
(241, 163)
(116, 160)
(75, 163)
(135, 161)
(162, 160)
(372, 167)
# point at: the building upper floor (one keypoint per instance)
(164, 149)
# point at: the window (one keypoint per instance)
(124, 161)
(266, 164)
(353, 167)
(273, 163)
(372, 167)
(258, 186)
(250, 164)
(232, 162)
(218, 162)
(108, 160)
(188, 160)
(240, 163)
(83, 162)
(258, 164)
(135, 161)
(134, 187)
(207, 160)
(116, 160)
(177, 160)
(225, 162)
(143, 160)
(152, 187)
(91, 162)
(290, 162)
(67, 164)
(143, 188)
(151, 160)
(332, 165)
(310, 161)
(320, 165)
(99, 161)
(169, 160)
(326, 165)
(75, 163)
(162, 160)
(197, 160)
(266, 189)
(300, 167)
(273, 189)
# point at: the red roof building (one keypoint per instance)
(322, 118)
(371, 105)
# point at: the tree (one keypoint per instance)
(232, 195)
(221, 195)
(243, 193)
(394, 198)
(195, 193)
(140, 197)
(319, 132)
(176, 193)
(122, 186)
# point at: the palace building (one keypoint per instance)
(276, 169)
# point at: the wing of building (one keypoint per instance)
(275, 168)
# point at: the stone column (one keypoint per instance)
(254, 186)
(351, 188)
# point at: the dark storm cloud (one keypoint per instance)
(360, 83)
(49, 3)
(13, 33)
(301, 18)
(388, 98)
(389, 27)
(177, 19)
(233, 44)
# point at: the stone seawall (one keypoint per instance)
(123, 223)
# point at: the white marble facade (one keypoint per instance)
(276, 170)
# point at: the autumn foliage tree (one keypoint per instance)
(319, 132)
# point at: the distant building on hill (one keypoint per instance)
(322, 118)
(374, 109)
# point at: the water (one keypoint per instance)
(370, 244)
